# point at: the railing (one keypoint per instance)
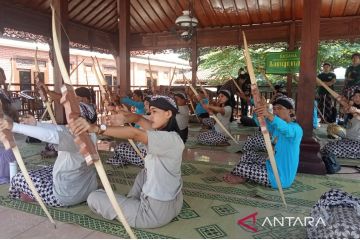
(28, 101)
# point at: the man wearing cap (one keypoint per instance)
(286, 135)
(325, 101)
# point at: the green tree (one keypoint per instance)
(225, 61)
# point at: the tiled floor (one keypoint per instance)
(16, 224)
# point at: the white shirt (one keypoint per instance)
(224, 119)
(163, 165)
(182, 118)
(73, 180)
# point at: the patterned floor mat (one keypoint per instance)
(211, 208)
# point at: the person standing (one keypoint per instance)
(352, 76)
(325, 101)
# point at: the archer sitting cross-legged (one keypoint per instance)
(349, 145)
(286, 136)
(224, 112)
(156, 196)
(70, 180)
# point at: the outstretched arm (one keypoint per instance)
(44, 134)
(128, 117)
(80, 125)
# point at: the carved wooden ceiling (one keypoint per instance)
(154, 16)
(95, 22)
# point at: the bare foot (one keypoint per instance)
(233, 179)
(26, 198)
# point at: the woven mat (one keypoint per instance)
(211, 207)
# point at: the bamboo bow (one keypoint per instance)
(42, 91)
(257, 98)
(87, 147)
(9, 142)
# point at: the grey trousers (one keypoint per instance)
(139, 210)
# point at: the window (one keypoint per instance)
(108, 79)
(148, 78)
(40, 75)
(25, 79)
(166, 75)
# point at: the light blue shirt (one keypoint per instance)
(199, 108)
(287, 150)
(315, 116)
(139, 106)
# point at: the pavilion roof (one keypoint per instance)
(158, 16)
(154, 16)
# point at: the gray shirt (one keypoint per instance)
(182, 118)
(353, 129)
(73, 180)
(224, 119)
(163, 165)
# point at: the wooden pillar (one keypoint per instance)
(291, 47)
(194, 59)
(310, 161)
(123, 57)
(61, 9)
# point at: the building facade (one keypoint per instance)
(17, 60)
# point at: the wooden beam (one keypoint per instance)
(61, 10)
(309, 148)
(291, 47)
(334, 28)
(194, 59)
(308, 66)
(123, 58)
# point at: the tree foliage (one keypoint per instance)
(225, 61)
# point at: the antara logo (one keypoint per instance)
(293, 221)
(280, 221)
(252, 216)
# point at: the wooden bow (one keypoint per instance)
(213, 115)
(340, 99)
(42, 92)
(151, 77)
(87, 147)
(9, 143)
(77, 66)
(172, 78)
(191, 102)
(257, 99)
(101, 81)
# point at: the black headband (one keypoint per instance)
(180, 95)
(285, 102)
(163, 102)
(83, 92)
(355, 92)
(225, 93)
